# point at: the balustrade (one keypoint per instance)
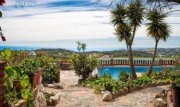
(136, 62)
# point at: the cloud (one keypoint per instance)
(50, 20)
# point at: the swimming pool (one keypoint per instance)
(115, 70)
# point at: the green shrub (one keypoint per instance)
(22, 88)
(83, 64)
(106, 83)
(123, 76)
(50, 73)
(178, 82)
(49, 68)
(106, 75)
(29, 65)
(174, 75)
(164, 74)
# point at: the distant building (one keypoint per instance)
(150, 51)
(32, 54)
(106, 56)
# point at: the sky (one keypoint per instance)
(52, 20)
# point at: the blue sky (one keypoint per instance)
(48, 20)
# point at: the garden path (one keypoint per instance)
(77, 96)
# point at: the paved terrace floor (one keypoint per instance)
(76, 96)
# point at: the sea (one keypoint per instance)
(105, 44)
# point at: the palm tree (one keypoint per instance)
(158, 29)
(135, 17)
(83, 46)
(126, 20)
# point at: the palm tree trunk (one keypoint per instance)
(134, 31)
(153, 59)
(130, 54)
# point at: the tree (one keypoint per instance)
(126, 21)
(83, 64)
(81, 46)
(158, 29)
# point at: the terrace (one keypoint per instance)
(88, 75)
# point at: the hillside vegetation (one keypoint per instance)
(168, 52)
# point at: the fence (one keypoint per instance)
(139, 62)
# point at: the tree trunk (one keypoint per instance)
(153, 59)
(131, 63)
(134, 31)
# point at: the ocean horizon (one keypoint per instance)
(105, 44)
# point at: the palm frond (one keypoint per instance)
(135, 12)
(118, 14)
(157, 28)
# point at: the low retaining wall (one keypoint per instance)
(131, 89)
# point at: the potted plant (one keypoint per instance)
(30, 66)
(4, 56)
(17, 86)
(176, 92)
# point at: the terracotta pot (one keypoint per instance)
(35, 80)
(2, 91)
(17, 86)
(2, 88)
(2, 103)
(2, 66)
(39, 77)
(1, 75)
(30, 75)
(1, 81)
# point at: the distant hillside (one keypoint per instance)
(55, 51)
(116, 53)
(121, 53)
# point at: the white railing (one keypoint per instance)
(140, 62)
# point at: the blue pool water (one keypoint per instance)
(114, 71)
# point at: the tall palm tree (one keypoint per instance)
(126, 20)
(135, 17)
(158, 29)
